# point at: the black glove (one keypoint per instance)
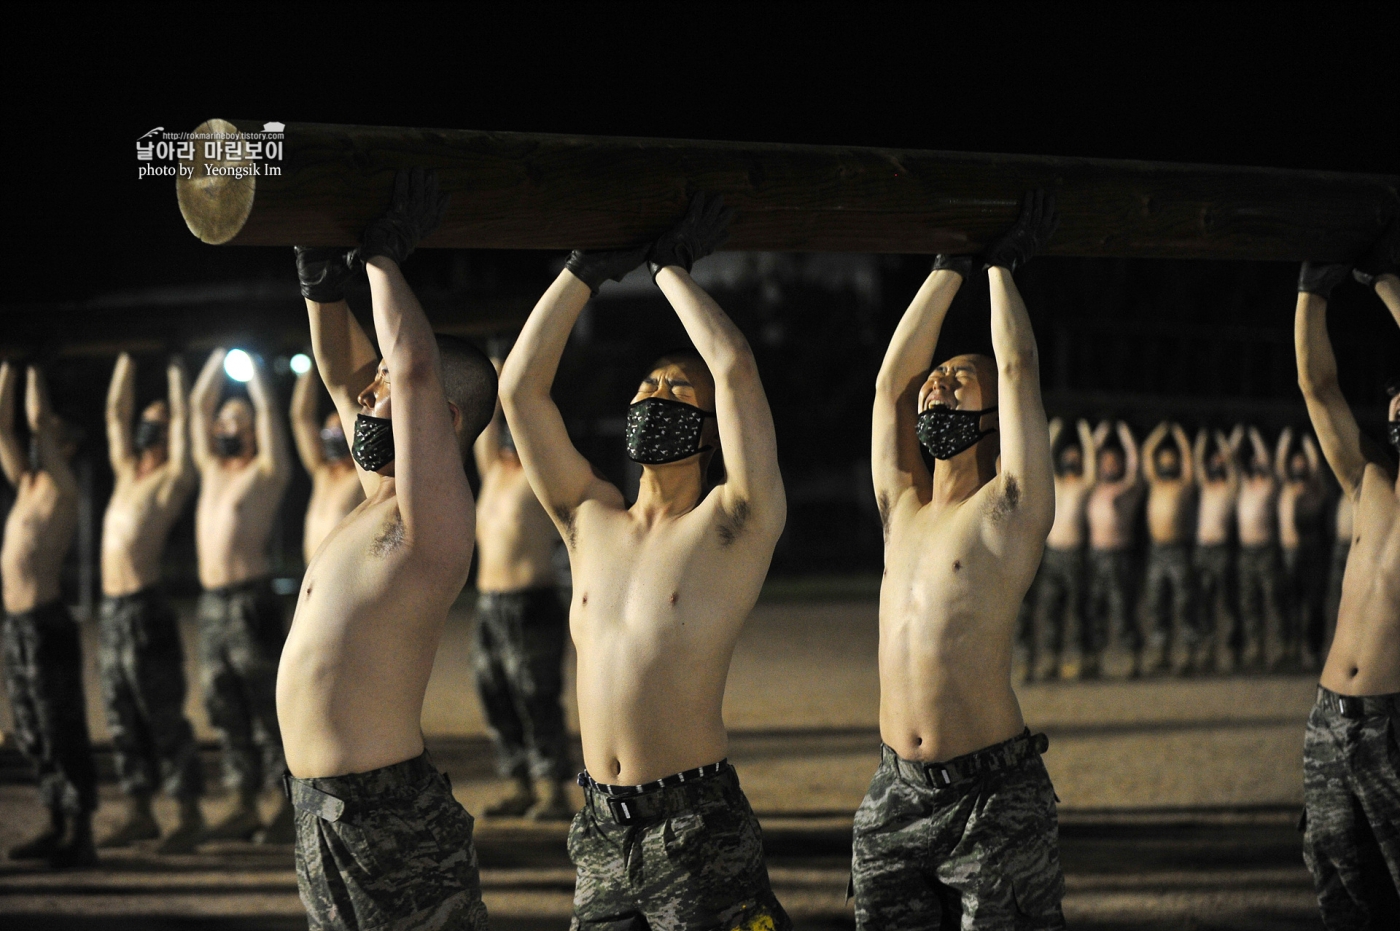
(1315, 278)
(962, 264)
(323, 271)
(1382, 258)
(594, 268)
(1030, 233)
(702, 230)
(415, 211)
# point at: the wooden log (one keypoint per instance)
(534, 191)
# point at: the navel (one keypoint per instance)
(957, 564)
(1353, 672)
(918, 741)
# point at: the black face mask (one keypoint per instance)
(228, 445)
(35, 459)
(374, 442)
(1216, 472)
(1169, 471)
(660, 431)
(1395, 433)
(945, 432)
(333, 445)
(149, 434)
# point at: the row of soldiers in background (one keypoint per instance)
(237, 454)
(1238, 576)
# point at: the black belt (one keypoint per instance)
(961, 769)
(1358, 706)
(653, 801)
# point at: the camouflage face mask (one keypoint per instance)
(660, 431)
(374, 442)
(945, 432)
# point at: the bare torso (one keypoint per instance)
(1112, 513)
(1216, 514)
(357, 659)
(1365, 654)
(1343, 524)
(1071, 498)
(238, 505)
(656, 612)
(1169, 511)
(139, 516)
(38, 533)
(948, 608)
(1255, 511)
(515, 538)
(1300, 506)
(335, 492)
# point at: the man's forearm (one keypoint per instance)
(1317, 366)
(532, 364)
(405, 336)
(720, 343)
(916, 337)
(1388, 290)
(1013, 340)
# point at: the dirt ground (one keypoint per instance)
(1179, 797)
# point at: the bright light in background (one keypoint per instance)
(301, 363)
(238, 365)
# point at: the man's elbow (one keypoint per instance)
(1315, 385)
(736, 363)
(1019, 362)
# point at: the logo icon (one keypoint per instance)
(274, 127)
(158, 129)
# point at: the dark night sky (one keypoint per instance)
(1271, 85)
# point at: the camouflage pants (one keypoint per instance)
(386, 849)
(1261, 601)
(1215, 586)
(240, 642)
(971, 843)
(518, 661)
(1305, 585)
(1169, 595)
(44, 678)
(693, 859)
(1340, 551)
(143, 691)
(1112, 601)
(1351, 794)
(1053, 611)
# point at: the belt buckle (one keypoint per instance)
(623, 813)
(1350, 707)
(934, 770)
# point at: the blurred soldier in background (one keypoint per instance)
(1113, 510)
(1218, 483)
(1171, 482)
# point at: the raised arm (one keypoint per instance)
(274, 458)
(1087, 450)
(306, 430)
(178, 465)
(44, 427)
(12, 459)
(1149, 451)
(559, 475)
(1183, 447)
(1227, 445)
(1314, 460)
(1131, 459)
(204, 398)
(896, 463)
(1332, 419)
(1285, 441)
(1198, 454)
(753, 484)
(1026, 477)
(121, 407)
(345, 358)
(487, 448)
(1260, 450)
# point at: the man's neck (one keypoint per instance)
(957, 479)
(668, 490)
(149, 463)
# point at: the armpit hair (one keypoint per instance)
(882, 501)
(1007, 500)
(732, 521)
(390, 538)
(567, 519)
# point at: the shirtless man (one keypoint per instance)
(1217, 483)
(381, 842)
(1113, 509)
(1302, 500)
(324, 453)
(960, 819)
(666, 839)
(1341, 549)
(1171, 489)
(142, 658)
(1351, 782)
(1260, 583)
(244, 468)
(43, 658)
(1055, 602)
(520, 628)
